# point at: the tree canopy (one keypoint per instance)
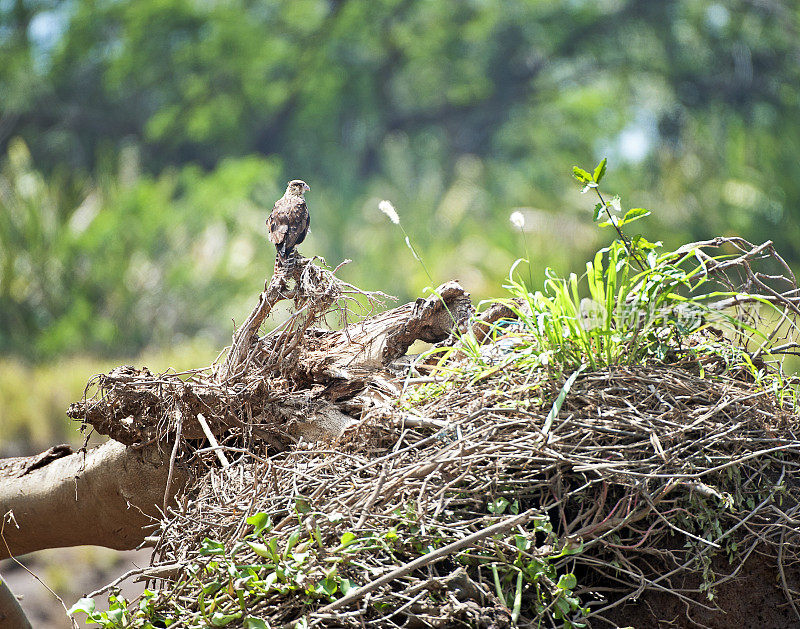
(146, 141)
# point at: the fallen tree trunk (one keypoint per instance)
(11, 614)
(266, 394)
(106, 497)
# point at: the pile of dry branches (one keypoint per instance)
(639, 456)
(425, 496)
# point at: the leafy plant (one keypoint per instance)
(634, 302)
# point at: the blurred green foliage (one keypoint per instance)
(34, 398)
(146, 140)
(127, 260)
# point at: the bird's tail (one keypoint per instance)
(286, 260)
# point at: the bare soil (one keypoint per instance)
(753, 600)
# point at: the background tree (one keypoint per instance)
(145, 141)
(457, 111)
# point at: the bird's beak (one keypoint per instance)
(306, 187)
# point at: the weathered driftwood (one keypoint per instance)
(370, 345)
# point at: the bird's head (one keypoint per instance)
(297, 186)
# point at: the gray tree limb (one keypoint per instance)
(11, 614)
(104, 497)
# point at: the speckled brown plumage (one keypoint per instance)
(289, 220)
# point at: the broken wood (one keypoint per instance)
(297, 381)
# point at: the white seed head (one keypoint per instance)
(517, 219)
(387, 208)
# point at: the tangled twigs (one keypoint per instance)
(639, 456)
(249, 395)
(754, 275)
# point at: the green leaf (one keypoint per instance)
(641, 243)
(210, 547)
(218, 619)
(517, 600)
(498, 506)
(347, 539)
(260, 521)
(542, 524)
(85, 605)
(498, 589)
(598, 212)
(212, 588)
(581, 175)
(345, 585)
(391, 534)
(292, 542)
(254, 623)
(600, 170)
(330, 586)
(563, 606)
(562, 395)
(116, 616)
(301, 505)
(634, 215)
(272, 544)
(262, 550)
(567, 581)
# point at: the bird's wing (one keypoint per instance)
(278, 222)
(292, 224)
(298, 224)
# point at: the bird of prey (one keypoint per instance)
(288, 222)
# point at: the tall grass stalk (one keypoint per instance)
(517, 219)
(388, 209)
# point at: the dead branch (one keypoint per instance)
(756, 272)
(313, 289)
(375, 342)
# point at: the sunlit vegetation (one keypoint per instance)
(161, 132)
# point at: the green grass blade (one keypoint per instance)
(562, 395)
